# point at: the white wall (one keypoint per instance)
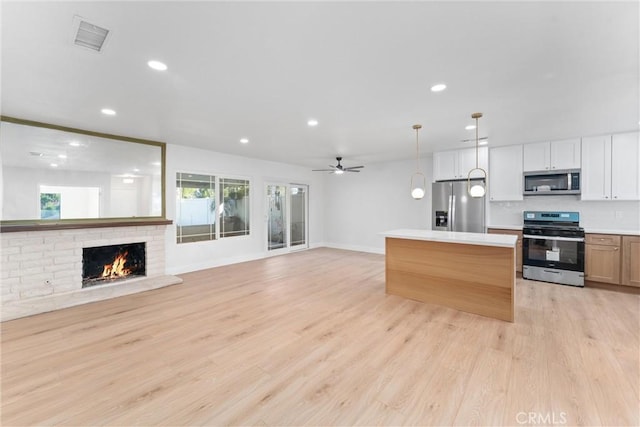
(358, 206)
(22, 189)
(200, 255)
(594, 215)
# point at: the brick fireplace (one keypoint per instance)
(43, 270)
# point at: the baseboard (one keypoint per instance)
(357, 248)
(220, 262)
(611, 287)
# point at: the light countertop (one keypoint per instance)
(481, 239)
(505, 227)
(609, 231)
(587, 230)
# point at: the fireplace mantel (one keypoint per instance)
(16, 226)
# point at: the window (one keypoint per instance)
(49, 205)
(234, 207)
(196, 207)
(197, 197)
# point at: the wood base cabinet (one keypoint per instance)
(518, 244)
(602, 258)
(602, 264)
(631, 261)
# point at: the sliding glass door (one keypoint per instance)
(287, 213)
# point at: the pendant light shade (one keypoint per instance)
(477, 188)
(418, 180)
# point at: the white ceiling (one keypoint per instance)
(537, 70)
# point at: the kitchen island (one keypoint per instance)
(472, 272)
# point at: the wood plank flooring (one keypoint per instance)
(311, 338)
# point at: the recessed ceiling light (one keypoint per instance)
(54, 165)
(312, 122)
(157, 65)
(108, 112)
(156, 163)
(244, 140)
(62, 156)
(74, 144)
(136, 170)
(439, 87)
(470, 127)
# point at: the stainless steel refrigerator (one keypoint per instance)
(454, 210)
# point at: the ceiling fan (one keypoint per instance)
(339, 169)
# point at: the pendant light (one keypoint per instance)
(478, 189)
(418, 188)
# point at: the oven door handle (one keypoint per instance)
(563, 239)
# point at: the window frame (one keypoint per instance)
(218, 180)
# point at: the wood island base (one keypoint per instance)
(468, 277)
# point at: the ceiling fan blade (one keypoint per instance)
(351, 170)
(321, 170)
(354, 167)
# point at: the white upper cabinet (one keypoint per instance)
(537, 157)
(444, 165)
(565, 154)
(610, 167)
(505, 173)
(543, 156)
(625, 162)
(596, 168)
(456, 164)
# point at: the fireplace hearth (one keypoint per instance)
(107, 264)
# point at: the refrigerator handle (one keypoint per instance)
(452, 213)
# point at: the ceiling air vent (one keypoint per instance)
(89, 35)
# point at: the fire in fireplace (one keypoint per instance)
(106, 264)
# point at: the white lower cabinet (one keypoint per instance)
(505, 173)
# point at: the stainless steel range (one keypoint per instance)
(553, 247)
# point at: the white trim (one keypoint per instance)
(357, 248)
(220, 262)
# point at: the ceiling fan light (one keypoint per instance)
(338, 172)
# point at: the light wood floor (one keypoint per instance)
(311, 338)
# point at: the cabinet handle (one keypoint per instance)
(615, 249)
(606, 197)
(615, 197)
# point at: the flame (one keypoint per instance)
(116, 269)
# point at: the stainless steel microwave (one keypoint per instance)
(553, 182)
